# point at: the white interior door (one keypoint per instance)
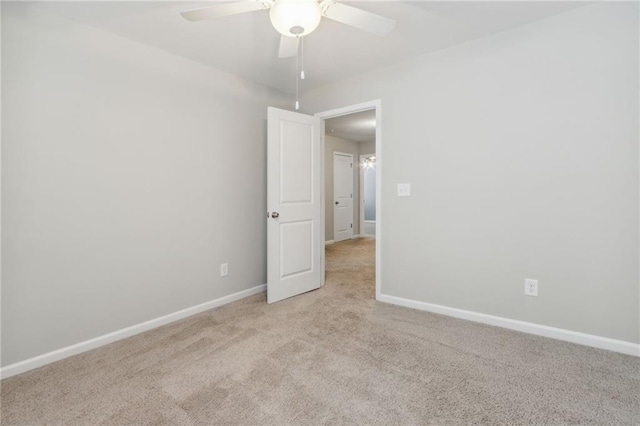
(294, 240)
(342, 196)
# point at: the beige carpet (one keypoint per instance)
(332, 356)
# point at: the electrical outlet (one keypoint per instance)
(530, 287)
(224, 269)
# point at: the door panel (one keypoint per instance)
(296, 153)
(294, 245)
(296, 248)
(343, 196)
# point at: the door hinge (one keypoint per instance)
(351, 195)
(352, 225)
(351, 165)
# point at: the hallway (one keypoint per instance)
(351, 268)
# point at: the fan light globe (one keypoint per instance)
(295, 17)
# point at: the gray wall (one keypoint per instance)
(128, 176)
(522, 152)
(367, 147)
(333, 144)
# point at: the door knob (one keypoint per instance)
(337, 203)
(275, 215)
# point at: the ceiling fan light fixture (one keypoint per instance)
(295, 18)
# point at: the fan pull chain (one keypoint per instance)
(302, 58)
(299, 69)
(297, 82)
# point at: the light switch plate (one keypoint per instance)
(404, 189)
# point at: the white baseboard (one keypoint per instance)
(87, 345)
(614, 345)
(353, 237)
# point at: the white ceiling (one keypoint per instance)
(247, 44)
(357, 127)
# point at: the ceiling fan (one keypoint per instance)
(296, 18)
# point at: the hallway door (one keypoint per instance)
(342, 196)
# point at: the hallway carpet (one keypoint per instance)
(332, 356)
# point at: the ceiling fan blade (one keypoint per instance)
(222, 9)
(288, 47)
(359, 18)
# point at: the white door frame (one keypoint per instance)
(365, 106)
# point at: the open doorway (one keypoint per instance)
(351, 219)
